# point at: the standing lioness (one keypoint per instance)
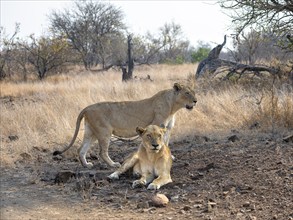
(153, 159)
(121, 119)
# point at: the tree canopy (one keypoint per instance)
(273, 15)
(92, 27)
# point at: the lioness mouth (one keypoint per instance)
(189, 107)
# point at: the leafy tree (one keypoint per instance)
(92, 27)
(200, 53)
(45, 54)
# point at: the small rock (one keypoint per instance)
(174, 198)
(64, 176)
(159, 200)
(143, 205)
(233, 138)
(251, 217)
(181, 212)
(94, 156)
(246, 204)
(255, 125)
(186, 208)
(288, 138)
(13, 137)
(26, 156)
(57, 157)
(211, 206)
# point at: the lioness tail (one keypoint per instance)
(79, 118)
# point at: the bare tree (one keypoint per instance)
(173, 41)
(19, 60)
(91, 27)
(276, 15)
(166, 46)
(258, 46)
(247, 47)
(6, 46)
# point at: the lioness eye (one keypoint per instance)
(149, 136)
(187, 93)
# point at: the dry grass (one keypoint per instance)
(43, 114)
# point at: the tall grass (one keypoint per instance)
(43, 114)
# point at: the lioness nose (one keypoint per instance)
(195, 101)
(155, 145)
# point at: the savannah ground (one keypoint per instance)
(232, 161)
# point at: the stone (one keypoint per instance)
(159, 200)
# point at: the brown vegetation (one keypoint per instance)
(241, 177)
(43, 113)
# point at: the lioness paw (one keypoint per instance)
(88, 165)
(153, 186)
(114, 176)
(137, 183)
(136, 174)
(116, 165)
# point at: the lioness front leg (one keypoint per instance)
(169, 127)
(163, 170)
(144, 180)
(130, 162)
(160, 181)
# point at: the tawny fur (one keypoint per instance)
(152, 161)
(102, 120)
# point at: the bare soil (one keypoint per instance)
(235, 177)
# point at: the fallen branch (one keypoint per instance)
(212, 63)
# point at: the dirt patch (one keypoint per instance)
(247, 178)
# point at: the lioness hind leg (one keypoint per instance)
(86, 143)
(104, 146)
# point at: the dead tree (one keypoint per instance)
(212, 63)
(127, 72)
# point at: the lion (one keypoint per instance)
(153, 159)
(102, 120)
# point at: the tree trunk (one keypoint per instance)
(127, 73)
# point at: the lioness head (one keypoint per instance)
(152, 137)
(185, 96)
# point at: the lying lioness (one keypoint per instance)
(153, 159)
(121, 119)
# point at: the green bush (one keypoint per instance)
(200, 54)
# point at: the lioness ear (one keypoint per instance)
(177, 86)
(140, 131)
(163, 128)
